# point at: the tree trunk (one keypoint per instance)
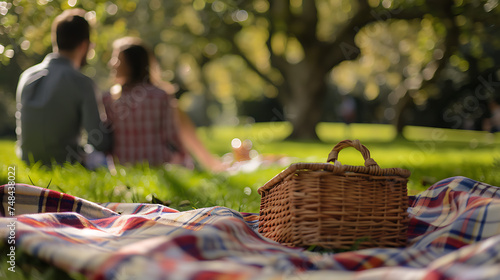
(306, 90)
(400, 119)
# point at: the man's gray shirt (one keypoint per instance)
(54, 101)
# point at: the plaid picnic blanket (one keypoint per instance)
(453, 234)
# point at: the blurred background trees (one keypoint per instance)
(432, 63)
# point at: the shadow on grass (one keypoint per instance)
(28, 267)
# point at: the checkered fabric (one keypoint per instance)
(145, 126)
(454, 234)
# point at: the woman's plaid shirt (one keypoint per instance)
(145, 126)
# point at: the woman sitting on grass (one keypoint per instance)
(143, 116)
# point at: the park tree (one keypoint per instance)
(307, 39)
(232, 49)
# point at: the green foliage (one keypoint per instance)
(228, 50)
(206, 30)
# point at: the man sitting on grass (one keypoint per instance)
(55, 100)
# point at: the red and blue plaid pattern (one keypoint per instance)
(453, 234)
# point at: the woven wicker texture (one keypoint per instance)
(336, 206)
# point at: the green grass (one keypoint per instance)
(430, 154)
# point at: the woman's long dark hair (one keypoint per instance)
(137, 59)
(143, 64)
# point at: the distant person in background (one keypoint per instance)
(348, 113)
(55, 100)
(492, 124)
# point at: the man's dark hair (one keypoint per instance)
(70, 29)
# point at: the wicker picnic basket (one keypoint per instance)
(335, 206)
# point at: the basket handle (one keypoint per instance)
(333, 156)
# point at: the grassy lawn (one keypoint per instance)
(430, 154)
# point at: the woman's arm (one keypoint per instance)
(195, 146)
